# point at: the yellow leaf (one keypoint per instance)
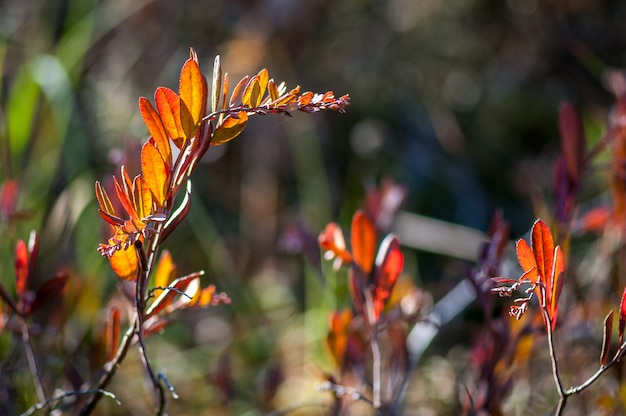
(165, 271)
(230, 128)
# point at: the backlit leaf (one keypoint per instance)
(142, 197)
(216, 85)
(272, 89)
(230, 128)
(156, 129)
(193, 90)
(166, 298)
(168, 105)
(363, 238)
(125, 200)
(556, 285)
(237, 97)
(165, 271)
(252, 93)
(103, 200)
(154, 172)
(125, 263)
(543, 248)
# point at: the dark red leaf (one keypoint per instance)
(622, 317)
(48, 291)
(389, 263)
(572, 140)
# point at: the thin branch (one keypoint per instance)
(32, 360)
(555, 364)
(48, 402)
(109, 369)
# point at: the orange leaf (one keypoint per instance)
(156, 129)
(363, 240)
(596, 219)
(206, 296)
(337, 338)
(125, 263)
(525, 256)
(230, 128)
(193, 90)
(165, 271)
(142, 197)
(154, 172)
(168, 104)
(252, 93)
(21, 268)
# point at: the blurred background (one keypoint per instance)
(456, 100)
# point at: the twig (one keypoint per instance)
(110, 368)
(46, 403)
(32, 361)
(555, 364)
(376, 369)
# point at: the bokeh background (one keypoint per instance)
(457, 100)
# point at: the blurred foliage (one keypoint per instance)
(452, 98)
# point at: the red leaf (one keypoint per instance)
(8, 198)
(596, 219)
(21, 268)
(363, 239)
(622, 317)
(543, 248)
(389, 263)
(112, 335)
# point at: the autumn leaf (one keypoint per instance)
(363, 239)
(168, 104)
(125, 262)
(155, 172)
(193, 92)
(389, 264)
(230, 128)
(155, 127)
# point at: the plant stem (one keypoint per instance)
(555, 364)
(376, 369)
(110, 368)
(32, 361)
